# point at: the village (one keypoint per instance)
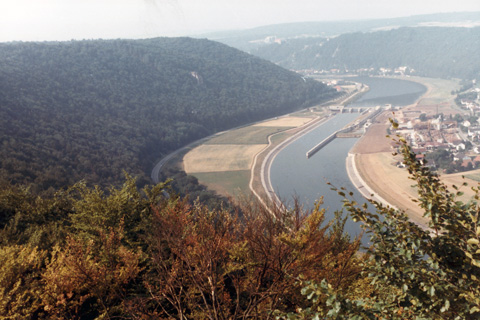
(447, 142)
(450, 143)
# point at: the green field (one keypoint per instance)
(474, 176)
(246, 135)
(279, 137)
(229, 182)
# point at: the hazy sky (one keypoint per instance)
(92, 19)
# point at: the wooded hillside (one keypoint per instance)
(91, 109)
(249, 39)
(430, 51)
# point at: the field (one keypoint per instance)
(247, 135)
(377, 166)
(223, 157)
(473, 175)
(375, 140)
(285, 122)
(439, 90)
(472, 178)
(231, 183)
(391, 183)
(438, 98)
(224, 162)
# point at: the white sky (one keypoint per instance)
(39, 20)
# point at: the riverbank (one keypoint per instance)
(236, 172)
(371, 167)
(233, 163)
(263, 189)
(376, 169)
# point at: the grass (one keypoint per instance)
(440, 90)
(213, 158)
(223, 163)
(246, 135)
(233, 183)
(474, 176)
(279, 137)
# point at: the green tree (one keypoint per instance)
(417, 273)
(132, 102)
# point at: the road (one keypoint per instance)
(156, 170)
(265, 168)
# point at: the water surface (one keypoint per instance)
(388, 91)
(293, 175)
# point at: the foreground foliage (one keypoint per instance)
(144, 254)
(138, 254)
(416, 273)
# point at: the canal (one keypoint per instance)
(295, 176)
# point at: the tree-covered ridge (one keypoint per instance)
(250, 39)
(91, 109)
(430, 51)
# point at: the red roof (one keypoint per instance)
(466, 162)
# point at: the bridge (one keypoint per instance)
(343, 109)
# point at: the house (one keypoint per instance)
(473, 131)
(468, 163)
(419, 150)
(420, 156)
(460, 146)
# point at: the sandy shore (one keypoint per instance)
(372, 169)
(372, 166)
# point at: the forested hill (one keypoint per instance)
(91, 109)
(431, 51)
(248, 40)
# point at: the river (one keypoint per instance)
(295, 176)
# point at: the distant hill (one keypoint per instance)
(430, 51)
(250, 39)
(91, 109)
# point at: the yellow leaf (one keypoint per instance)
(473, 241)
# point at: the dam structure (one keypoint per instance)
(326, 141)
(355, 125)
